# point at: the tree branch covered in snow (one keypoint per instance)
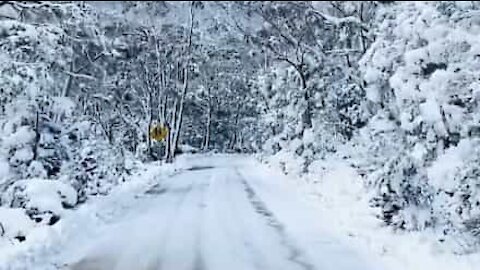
(391, 89)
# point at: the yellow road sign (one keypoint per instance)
(158, 133)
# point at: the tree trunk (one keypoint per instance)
(206, 143)
(68, 84)
(37, 138)
(307, 113)
(178, 114)
(234, 137)
(306, 120)
(362, 33)
(179, 120)
(170, 136)
(150, 122)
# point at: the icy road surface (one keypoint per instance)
(219, 213)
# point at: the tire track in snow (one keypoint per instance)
(172, 215)
(183, 234)
(295, 253)
(222, 242)
(199, 262)
(248, 244)
(169, 194)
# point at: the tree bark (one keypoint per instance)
(150, 121)
(176, 129)
(178, 124)
(68, 84)
(234, 137)
(206, 144)
(307, 113)
(37, 137)
(170, 136)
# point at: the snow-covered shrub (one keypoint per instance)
(43, 200)
(93, 165)
(454, 175)
(29, 118)
(421, 79)
(95, 168)
(14, 223)
(43, 134)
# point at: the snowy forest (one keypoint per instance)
(390, 90)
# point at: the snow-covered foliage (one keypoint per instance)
(14, 224)
(81, 83)
(421, 87)
(44, 200)
(47, 142)
(403, 111)
(387, 89)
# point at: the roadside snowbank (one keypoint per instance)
(337, 191)
(77, 226)
(14, 225)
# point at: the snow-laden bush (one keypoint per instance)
(94, 166)
(43, 200)
(51, 156)
(421, 78)
(14, 224)
(454, 176)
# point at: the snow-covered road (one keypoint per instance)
(218, 213)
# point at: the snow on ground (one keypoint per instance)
(13, 223)
(229, 212)
(81, 224)
(335, 189)
(43, 195)
(206, 212)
